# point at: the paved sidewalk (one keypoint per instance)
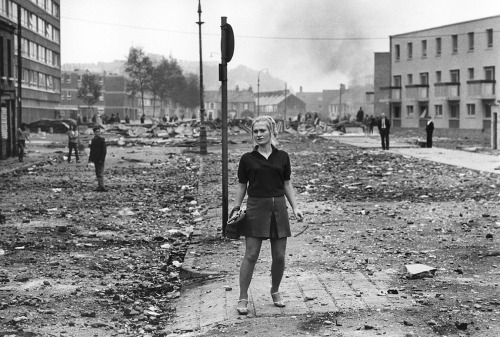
(471, 160)
(305, 293)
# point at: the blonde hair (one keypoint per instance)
(271, 126)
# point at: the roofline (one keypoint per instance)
(449, 25)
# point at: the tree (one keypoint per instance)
(166, 77)
(90, 89)
(140, 68)
(190, 94)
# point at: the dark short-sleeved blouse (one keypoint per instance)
(265, 177)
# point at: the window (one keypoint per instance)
(471, 109)
(424, 78)
(32, 22)
(438, 46)
(397, 81)
(41, 27)
(50, 82)
(424, 48)
(487, 111)
(454, 111)
(9, 58)
(489, 73)
(245, 106)
(397, 51)
(3, 7)
(470, 74)
(438, 110)
(438, 76)
(455, 76)
(2, 62)
(68, 94)
(470, 38)
(12, 10)
(55, 10)
(397, 111)
(489, 38)
(410, 50)
(410, 79)
(454, 44)
(24, 18)
(68, 78)
(79, 78)
(409, 110)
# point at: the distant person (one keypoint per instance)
(384, 127)
(165, 119)
(360, 115)
(429, 129)
(97, 156)
(127, 119)
(371, 123)
(143, 118)
(299, 117)
(112, 119)
(73, 137)
(23, 135)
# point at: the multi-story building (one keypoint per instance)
(115, 98)
(8, 115)
(40, 54)
(447, 73)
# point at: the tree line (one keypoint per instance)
(164, 80)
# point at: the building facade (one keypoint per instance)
(115, 98)
(8, 115)
(447, 73)
(279, 106)
(40, 48)
(240, 104)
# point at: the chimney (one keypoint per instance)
(300, 89)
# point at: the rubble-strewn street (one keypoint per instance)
(75, 262)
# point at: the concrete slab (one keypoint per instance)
(202, 306)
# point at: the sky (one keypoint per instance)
(314, 44)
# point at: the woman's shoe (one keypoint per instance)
(242, 307)
(277, 300)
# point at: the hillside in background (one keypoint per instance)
(241, 76)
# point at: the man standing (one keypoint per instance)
(360, 115)
(73, 138)
(384, 126)
(429, 129)
(97, 156)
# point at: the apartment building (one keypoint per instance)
(40, 54)
(115, 97)
(447, 73)
(8, 115)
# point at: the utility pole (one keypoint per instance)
(284, 121)
(17, 121)
(227, 50)
(203, 130)
(340, 102)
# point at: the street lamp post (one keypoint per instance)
(203, 130)
(258, 91)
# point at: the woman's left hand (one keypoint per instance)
(298, 214)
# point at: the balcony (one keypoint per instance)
(449, 91)
(394, 94)
(481, 89)
(419, 92)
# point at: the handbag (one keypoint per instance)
(232, 230)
